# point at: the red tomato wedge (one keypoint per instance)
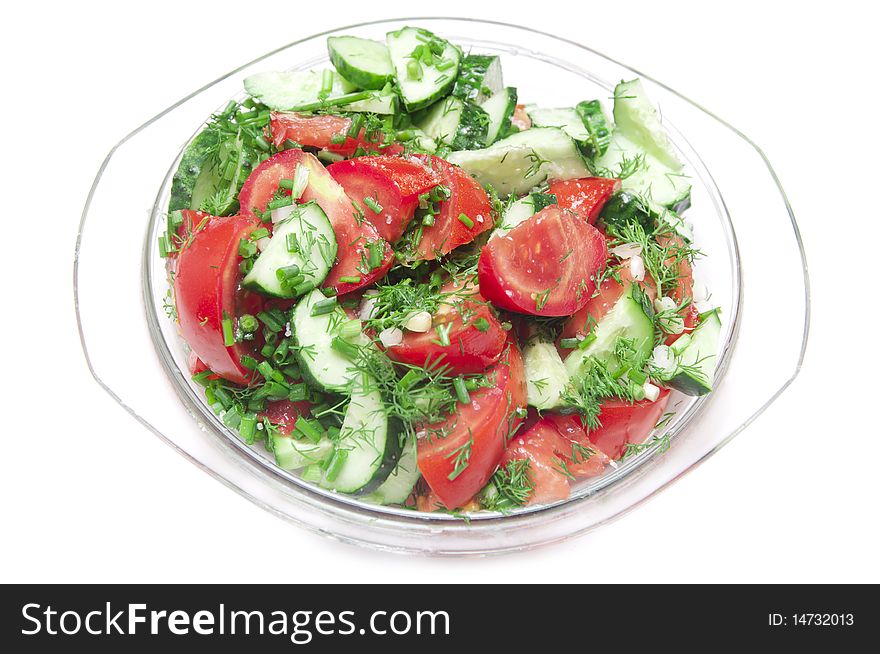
(586, 196)
(318, 132)
(467, 198)
(603, 300)
(476, 339)
(520, 118)
(557, 449)
(622, 423)
(392, 183)
(353, 238)
(284, 414)
(545, 266)
(683, 290)
(457, 466)
(206, 292)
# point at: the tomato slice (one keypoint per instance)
(353, 238)
(520, 118)
(622, 423)
(476, 338)
(206, 291)
(284, 414)
(557, 449)
(475, 435)
(466, 197)
(586, 196)
(545, 266)
(683, 290)
(317, 131)
(393, 183)
(603, 300)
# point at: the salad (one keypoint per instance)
(410, 287)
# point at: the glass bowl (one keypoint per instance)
(742, 223)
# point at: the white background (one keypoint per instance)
(87, 494)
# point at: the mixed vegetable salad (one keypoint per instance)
(410, 287)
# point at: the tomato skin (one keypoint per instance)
(554, 249)
(394, 182)
(586, 196)
(622, 423)
(316, 131)
(352, 239)
(470, 350)
(488, 419)
(466, 197)
(549, 443)
(206, 290)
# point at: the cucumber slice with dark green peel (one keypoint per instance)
(362, 62)
(595, 122)
(629, 318)
(292, 453)
(196, 157)
(518, 163)
(522, 210)
(425, 66)
(479, 78)
(402, 480)
(322, 365)
(298, 257)
(368, 447)
(697, 355)
(500, 108)
(293, 88)
(472, 128)
(211, 172)
(546, 375)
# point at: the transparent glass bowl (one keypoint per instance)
(742, 223)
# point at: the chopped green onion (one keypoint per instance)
(265, 368)
(292, 371)
(270, 321)
(309, 429)
(638, 376)
(409, 379)
(298, 393)
(349, 279)
(262, 143)
(336, 464)
(286, 183)
(324, 306)
(163, 246)
(344, 348)
(428, 220)
(246, 248)
(267, 350)
(281, 351)
(292, 243)
(465, 220)
(222, 396)
(300, 181)
(248, 362)
(355, 128)
(228, 331)
(245, 266)
(312, 473)
(248, 427)
(461, 390)
(248, 324)
(287, 272)
(327, 82)
(257, 234)
(443, 334)
(338, 139)
(446, 64)
(374, 206)
(375, 259)
(589, 339)
(474, 383)
(569, 343)
(414, 70)
(277, 203)
(350, 329)
(202, 378)
(481, 324)
(290, 144)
